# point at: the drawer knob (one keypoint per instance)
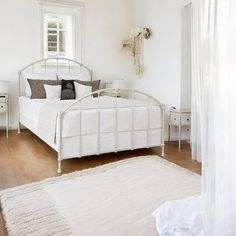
(187, 119)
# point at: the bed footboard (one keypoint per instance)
(129, 93)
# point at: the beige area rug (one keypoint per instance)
(112, 200)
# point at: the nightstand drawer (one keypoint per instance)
(174, 119)
(3, 99)
(3, 107)
(185, 120)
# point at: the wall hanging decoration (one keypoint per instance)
(134, 46)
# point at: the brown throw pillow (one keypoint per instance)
(95, 84)
(37, 88)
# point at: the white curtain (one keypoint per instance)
(214, 111)
(197, 79)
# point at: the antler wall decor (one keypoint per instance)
(135, 46)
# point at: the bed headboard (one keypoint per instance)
(53, 65)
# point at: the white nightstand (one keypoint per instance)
(4, 109)
(179, 118)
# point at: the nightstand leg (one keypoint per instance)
(169, 134)
(163, 151)
(59, 166)
(7, 123)
(179, 137)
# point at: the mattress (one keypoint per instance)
(30, 108)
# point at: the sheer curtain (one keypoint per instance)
(214, 111)
(198, 55)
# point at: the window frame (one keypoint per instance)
(64, 8)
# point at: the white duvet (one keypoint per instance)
(87, 119)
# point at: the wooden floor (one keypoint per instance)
(25, 159)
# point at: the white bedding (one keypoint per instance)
(44, 114)
(182, 217)
(31, 107)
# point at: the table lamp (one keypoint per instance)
(4, 87)
(118, 83)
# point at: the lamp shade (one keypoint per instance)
(4, 87)
(118, 83)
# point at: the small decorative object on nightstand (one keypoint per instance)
(4, 102)
(112, 94)
(116, 84)
(179, 118)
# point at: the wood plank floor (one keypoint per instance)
(25, 159)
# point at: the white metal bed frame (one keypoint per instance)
(98, 93)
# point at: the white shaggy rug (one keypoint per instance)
(112, 200)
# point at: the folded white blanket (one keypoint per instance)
(180, 218)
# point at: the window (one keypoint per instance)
(58, 36)
(61, 29)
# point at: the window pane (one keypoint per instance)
(52, 38)
(52, 25)
(52, 49)
(58, 35)
(62, 41)
(61, 26)
(50, 44)
(52, 32)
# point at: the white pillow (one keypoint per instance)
(80, 76)
(50, 76)
(82, 90)
(52, 91)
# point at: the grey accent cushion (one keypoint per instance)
(67, 89)
(37, 88)
(95, 84)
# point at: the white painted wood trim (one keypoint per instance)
(74, 8)
(62, 3)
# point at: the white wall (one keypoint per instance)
(19, 44)
(106, 23)
(186, 58)
(162, 52)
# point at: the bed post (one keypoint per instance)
(163, 131)
(59, 165)
(59, 145)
